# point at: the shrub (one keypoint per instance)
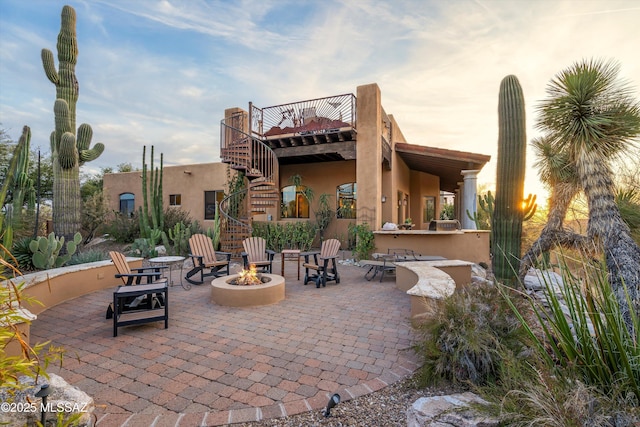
(289, 235)
(174, 215)
(91, 255)
(472, 338)
(123, 228)
(23, 254)
(364, 240)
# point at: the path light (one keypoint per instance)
(333, 401)
(43, 393)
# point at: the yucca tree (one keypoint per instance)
(560, 176)
(592, 116)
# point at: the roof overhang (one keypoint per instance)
(446, 164)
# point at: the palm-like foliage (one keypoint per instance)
(591, 116)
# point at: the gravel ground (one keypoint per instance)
(384, 408)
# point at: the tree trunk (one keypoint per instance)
(622, 254)
(553, 234)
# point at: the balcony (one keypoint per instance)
(322, 129)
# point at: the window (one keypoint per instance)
(127, 204)
(294, 203)
(175, 199)
(346, 197)
(212, 200)
(429, 209)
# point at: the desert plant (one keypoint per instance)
(92, 255)
(124, 229)
(33, 360)
(587, 335)
(506, 223)
(22, 254)
(144, 248)
(591, 116)
(6, 226)
(179, 236)
(324, 214)
(290, 235)
(588, 370)
(95, 211)
(46, 250)
(364, 240)
(472, 337)
(69, 150)
(151, 214)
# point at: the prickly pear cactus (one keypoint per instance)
(46, 251)
(506, 227)
(69, 150)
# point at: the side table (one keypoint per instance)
(170, 261)
(290, 255)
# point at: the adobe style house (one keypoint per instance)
(344, 146)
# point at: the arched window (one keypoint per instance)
(294, 203)
(127, 204)
(346, 198)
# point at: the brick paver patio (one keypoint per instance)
(218, 365)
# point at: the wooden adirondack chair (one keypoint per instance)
(256, 253)
(205, 256)
(324, 263)
(132, 277)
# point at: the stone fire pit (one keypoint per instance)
(227, 294)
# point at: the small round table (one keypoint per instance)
(170, 261)
(290, 255)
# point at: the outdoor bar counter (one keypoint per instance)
(466, 245)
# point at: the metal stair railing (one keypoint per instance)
(260, 166)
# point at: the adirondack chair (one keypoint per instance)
(132, 277)
(256, 253)
(204, 256)
(324, 263)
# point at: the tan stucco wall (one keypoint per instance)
(468, 245)
(190, 181)
(369, 154)
(58, 285)
(323, 178)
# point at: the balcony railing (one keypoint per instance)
(322, 115)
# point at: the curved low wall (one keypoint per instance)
(51, 287)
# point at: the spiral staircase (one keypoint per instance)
(259, 165)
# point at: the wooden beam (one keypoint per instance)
(347, 150)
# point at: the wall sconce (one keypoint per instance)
(187, 172)
(383, 199)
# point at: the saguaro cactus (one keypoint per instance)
(506, 227)
(68, 152)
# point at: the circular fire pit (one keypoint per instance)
(227, 294)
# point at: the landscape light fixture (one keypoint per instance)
(43, 393)
(333, 401)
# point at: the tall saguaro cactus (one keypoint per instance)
(69, 150)
(506, 227)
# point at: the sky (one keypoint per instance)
(162, 72)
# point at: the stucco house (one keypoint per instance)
(344, 146)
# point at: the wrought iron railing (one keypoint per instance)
(311, 116)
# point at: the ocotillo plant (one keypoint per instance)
(68, 152)
(151, 213)
(506, 227)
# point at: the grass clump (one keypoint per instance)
(471, 339)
